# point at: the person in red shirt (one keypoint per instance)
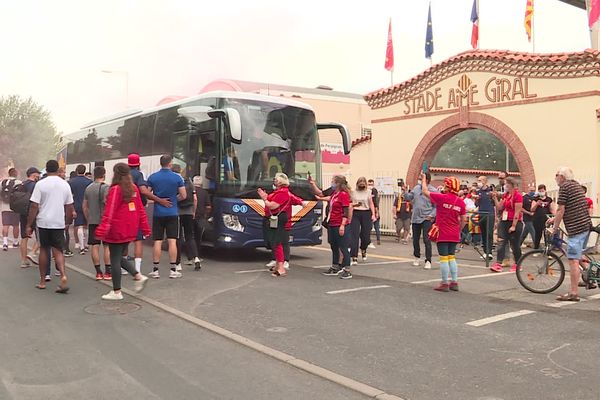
(278, 213)
(510, 226)
(450, 220)
(589, 201)
(124, 216)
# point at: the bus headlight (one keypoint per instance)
(232, 222)
(318, 225)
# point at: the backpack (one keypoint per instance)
(8, 186)
(19, 200)
(189, 189)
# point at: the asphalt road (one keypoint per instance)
(385, 328)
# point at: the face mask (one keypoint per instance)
(479, 185)
(531, 193)
(362, 187)
(274, 187)
(333, 186)
(543, 194)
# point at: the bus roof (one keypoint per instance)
(208, 95)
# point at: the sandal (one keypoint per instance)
(62, 290)
(38, 286)
(277, 274)
(568, 297)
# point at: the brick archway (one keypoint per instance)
(449, 127)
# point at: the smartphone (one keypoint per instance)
(425, 167)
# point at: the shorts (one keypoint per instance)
(92, 241)
(403, 224)
(165, 225)
(140, 236)
(575, 245)
(54, 238)
(10, 218)
(23, 221)
(80, 219)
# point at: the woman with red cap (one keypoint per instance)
(450, 220)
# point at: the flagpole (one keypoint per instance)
(392, 76)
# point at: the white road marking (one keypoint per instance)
(500, 317)
(358, 289)
(359, 265)
(252, 270)
(561, 304)
(462, 278)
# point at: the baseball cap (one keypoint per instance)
(133, 160)
(32, 170)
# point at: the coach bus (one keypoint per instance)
(236, 142)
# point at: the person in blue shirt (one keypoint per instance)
(422, 219)
(487, 215)
(78, 185)
(166, 184)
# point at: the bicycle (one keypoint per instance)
(543, 271)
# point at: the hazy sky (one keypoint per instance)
(55, 50)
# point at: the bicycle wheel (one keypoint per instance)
(540, 272)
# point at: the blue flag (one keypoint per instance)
(429, 36)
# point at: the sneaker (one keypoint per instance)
(175, 275)
(354, 261)
(364, 255)
(124, 272)
(286, 265)
(99, 276)
(33, 259)
(416, 262)
(57, 273)
(454, 286)
(68, 253)
(154, 275)
(345, 274)
(25, 264)
(496, 267)
(107, 276)
(513, 268)
(5, 247)
(427, 265)
(15, 245)
(332, 271)
(112, 296)
(48, 278)
(178, 268)
(271, 264)
(442, 287)
(489, 256)
(140, 284)
(82, 252)
(372, 246)
(197, 264)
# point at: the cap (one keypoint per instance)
(452, 183)
(133, 160)
(32, 170)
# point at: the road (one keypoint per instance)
(385, 328)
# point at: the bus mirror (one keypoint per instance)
(346, 140)
(232, 119)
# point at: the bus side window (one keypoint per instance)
(145, 134)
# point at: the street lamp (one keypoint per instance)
(126, 74)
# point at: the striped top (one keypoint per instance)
(577, 218)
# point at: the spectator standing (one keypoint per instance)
(573, 211)
(363, 216)
(187, 207)
(78, 185)
(589, 201)
(402, 216)
(33, 175)
(487, 215)
(10, 219)
(423, 215)
(377, 222)
(510, 226)
(50, 201)
(94, 202)
(528, 212)
(166, 184)
(542, 208)
(203, 208)
(124, 216)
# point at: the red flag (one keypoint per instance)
(594, 12)
(389, 53)
(529, 19)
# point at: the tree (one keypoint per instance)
(27, 134)
(474, 149)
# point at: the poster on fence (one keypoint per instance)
(385, 185)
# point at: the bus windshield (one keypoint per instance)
(275, 138)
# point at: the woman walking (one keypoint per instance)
(124, 216)
(450, 220)
(510, 226)
(278, 207)
(542, 206)
(363, 216)
(338, 218)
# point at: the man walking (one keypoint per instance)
(573, 210)
(33, 175)
(9, 217)
(529, 206)
(94, 201)
(402, 216)
(422, 218)
(78, 185)
(187, 208)
(166, 184)
(487, 215)
(377, 223)
(50, 200)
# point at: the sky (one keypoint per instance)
(55, 51)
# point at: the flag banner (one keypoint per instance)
(475, 21)
(389, 53)
(529, 19)
(429, 36)
(594, 12)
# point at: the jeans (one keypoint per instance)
(186, 241)
(418, 230)
(513, 239)
(377, 226)
(116, 258)
(339, 244)
(361, 231)
(486, 223)
(528, 228)
(539, 225)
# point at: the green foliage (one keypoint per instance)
(474, 149)
(27, 134)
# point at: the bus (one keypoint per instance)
(236, 142)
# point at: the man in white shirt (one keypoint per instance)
(50, 200)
